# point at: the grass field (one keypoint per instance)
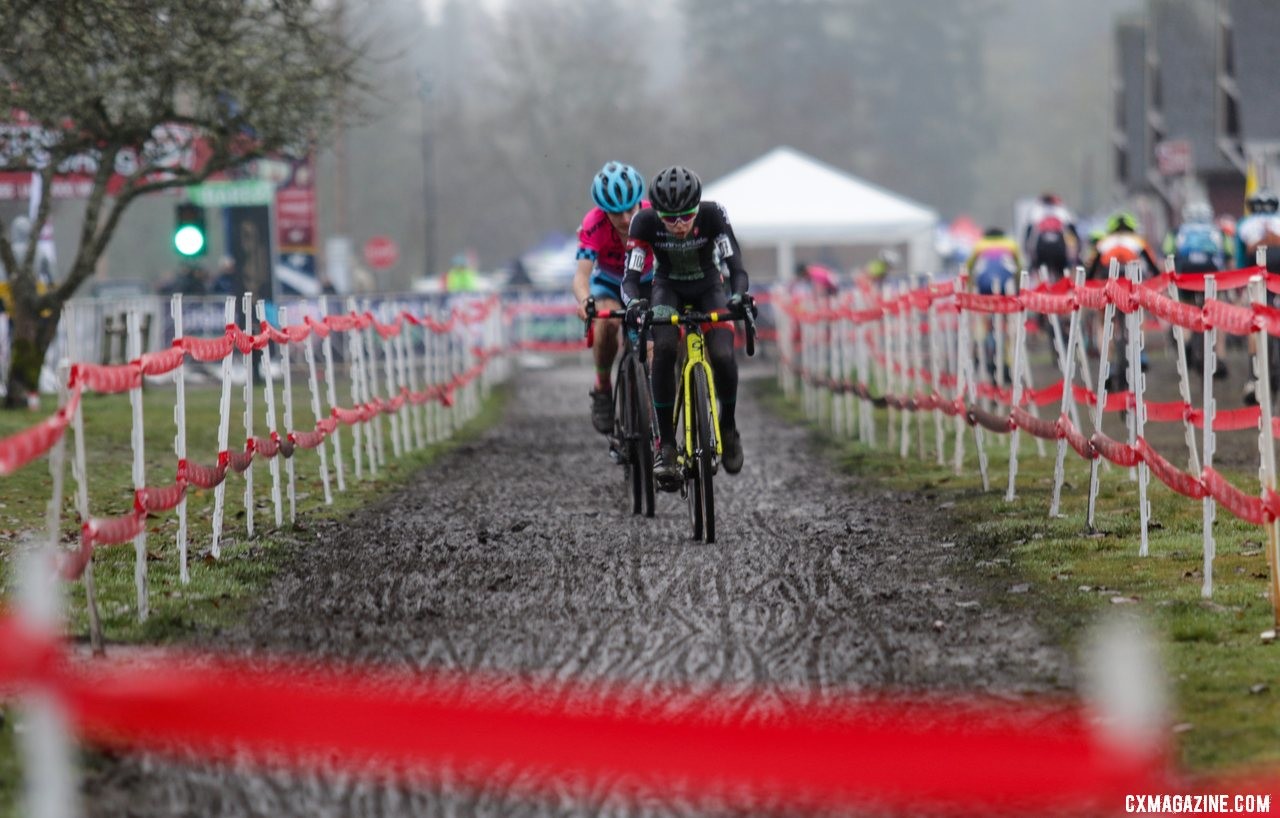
(1223, 678)
(220, 590)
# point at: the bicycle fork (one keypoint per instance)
(696, 359)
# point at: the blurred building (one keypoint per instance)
(1194, 100)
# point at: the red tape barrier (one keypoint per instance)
(1062, 297)
(947, 755)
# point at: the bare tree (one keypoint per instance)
(149, 95)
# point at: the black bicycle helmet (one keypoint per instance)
(1268, 202)
(675, 190)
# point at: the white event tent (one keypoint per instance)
(786, 198)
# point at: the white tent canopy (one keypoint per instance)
(785, 198)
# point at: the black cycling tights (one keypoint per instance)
(666, 346)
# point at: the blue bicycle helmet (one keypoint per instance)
(617, 187)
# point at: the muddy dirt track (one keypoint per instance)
(515, 553)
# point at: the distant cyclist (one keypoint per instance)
(1260, 228)
(992, 269)
(1051, 238)
(689, 239)
(1198, 244)
(1197, 250)
(618, 191)
(994, 263)
(1123, 245)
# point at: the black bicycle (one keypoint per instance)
(632, 442)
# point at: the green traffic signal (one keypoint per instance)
(189, 240)
(189, 232)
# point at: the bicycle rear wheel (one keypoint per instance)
(642, 433)
(626, 410)
(704, 451)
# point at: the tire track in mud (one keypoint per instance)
(517, 553)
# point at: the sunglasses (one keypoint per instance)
(679, 218)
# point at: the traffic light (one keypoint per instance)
(189, 231)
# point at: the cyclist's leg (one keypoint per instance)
(666, 340)
(605, 350)
(719, 346)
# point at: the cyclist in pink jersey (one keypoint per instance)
(618, 191)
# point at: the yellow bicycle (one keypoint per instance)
(698, 418)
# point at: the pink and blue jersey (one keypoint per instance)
(599, 243)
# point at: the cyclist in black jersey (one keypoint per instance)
(689, 240)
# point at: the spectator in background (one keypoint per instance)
(517, 274)
(190, 279)
(227, 280)
(871, 278)
(461, 277)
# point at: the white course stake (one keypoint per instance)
(1104, 372)
(248, 415)
(139, 468)
(1001, 370)
(904, 365)
(1067, 357)
(848, 354)
(1131, 367)
(287, 365)
(331, 395)
(269, 396)
(224, 433)
(180, 438)
(888, 343)
(388, 373)
(835, 376)
(374, 437)
(309, 354)
(80, 474)
(866, 367)
(1019, 353)
(1061, 348)
(44, 729)
(1266, 442)
(358, 430)
(917, 365)
(1209, 408)
(970, 380)
(1138, 416)
(1184, 381)
(935, 329)
(430, 409)
(411, 366)
(402, 380)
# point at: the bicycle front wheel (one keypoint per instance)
(704, 452)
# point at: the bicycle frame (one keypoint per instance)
(695, 356)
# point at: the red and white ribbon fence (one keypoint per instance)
(941, 350)
(425, 366)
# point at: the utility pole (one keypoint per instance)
(425, 87)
